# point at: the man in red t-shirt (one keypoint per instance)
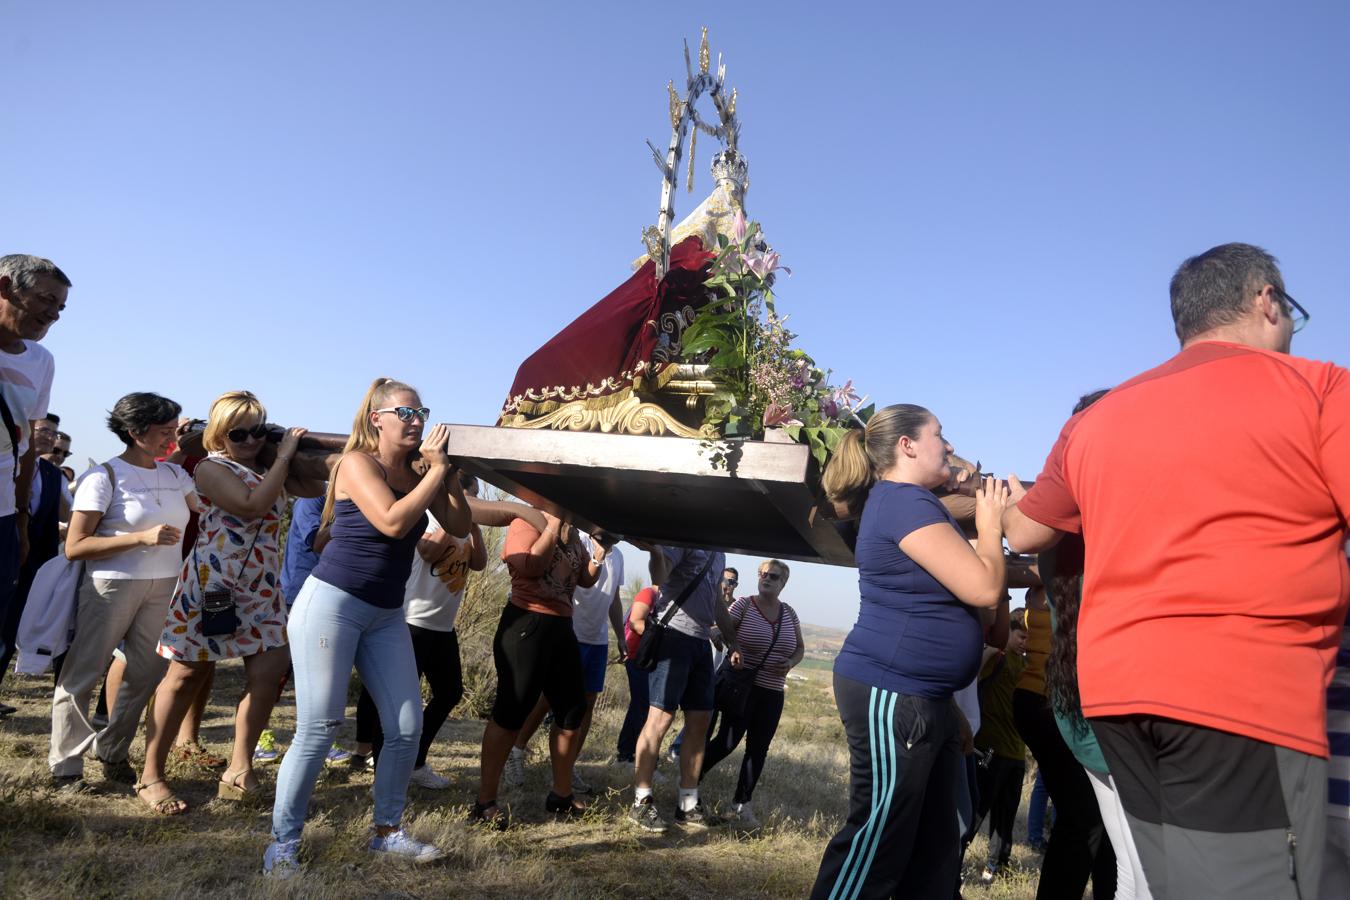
(1212, 493)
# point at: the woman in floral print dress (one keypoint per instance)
(236, 549)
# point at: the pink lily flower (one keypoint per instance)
(762, 264)
(779, 414)
(738, 226)
(847, 396)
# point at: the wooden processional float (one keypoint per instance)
(606, 424)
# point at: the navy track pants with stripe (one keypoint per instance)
(902, 837)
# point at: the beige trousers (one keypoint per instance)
(111, 611)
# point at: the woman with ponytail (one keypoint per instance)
(917, 640)
(350, 611)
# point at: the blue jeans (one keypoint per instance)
(1040, 798)
(329, 631)
(683, 677)
(637, 711)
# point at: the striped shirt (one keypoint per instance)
(1338, 733)
(754, 634)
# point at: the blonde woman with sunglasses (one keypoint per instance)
(350, 612)
(235, 565)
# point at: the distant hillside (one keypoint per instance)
(822, 645)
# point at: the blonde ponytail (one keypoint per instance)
(849, 473)
(863, 455)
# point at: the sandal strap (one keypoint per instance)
(143, 785)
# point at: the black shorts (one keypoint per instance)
(537, 654)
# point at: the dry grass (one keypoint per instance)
(109, 845)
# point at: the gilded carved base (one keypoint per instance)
(631, 416)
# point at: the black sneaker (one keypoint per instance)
(72, 784)
(696, 817)
(643, 814)
(7, 710)
(489, 815)
(120, 771)
(564, 807)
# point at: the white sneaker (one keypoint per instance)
(514, 773)
(746, 815)
(400, 843)
(425, 776)
(579, 784)
(282, 859)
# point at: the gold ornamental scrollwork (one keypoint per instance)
(632, 416)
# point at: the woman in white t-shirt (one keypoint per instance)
(435, 590)
(126, 524)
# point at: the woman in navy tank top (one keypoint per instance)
(350, 611)
(917, 640)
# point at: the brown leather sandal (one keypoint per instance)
(230, 788)
(197, 755)
(165, 806)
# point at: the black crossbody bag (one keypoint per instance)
(731, 690)
(650, 643)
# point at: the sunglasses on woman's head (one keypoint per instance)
(407, 413)
(239, 435)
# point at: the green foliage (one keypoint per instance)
(766, 382)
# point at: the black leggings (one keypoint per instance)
(1000, 795)
(762, 712)
(437, 656)
(535, 654)
(1078, 844)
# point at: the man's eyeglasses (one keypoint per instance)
(239, 435)
(730, 582)
(772, 576)
(407, 413)
(61, 453)
(1296, 312)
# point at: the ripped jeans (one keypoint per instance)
(329, 631)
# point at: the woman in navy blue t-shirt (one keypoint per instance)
(917, 640)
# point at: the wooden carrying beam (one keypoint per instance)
(662, 489)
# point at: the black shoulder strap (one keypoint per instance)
(14, 434)
(688, 589)
(777, 627)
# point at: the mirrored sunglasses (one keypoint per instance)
(407, 413)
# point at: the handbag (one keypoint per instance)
(731, 690)
(220, 616)
(649, 644)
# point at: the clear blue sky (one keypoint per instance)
(982, 202)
